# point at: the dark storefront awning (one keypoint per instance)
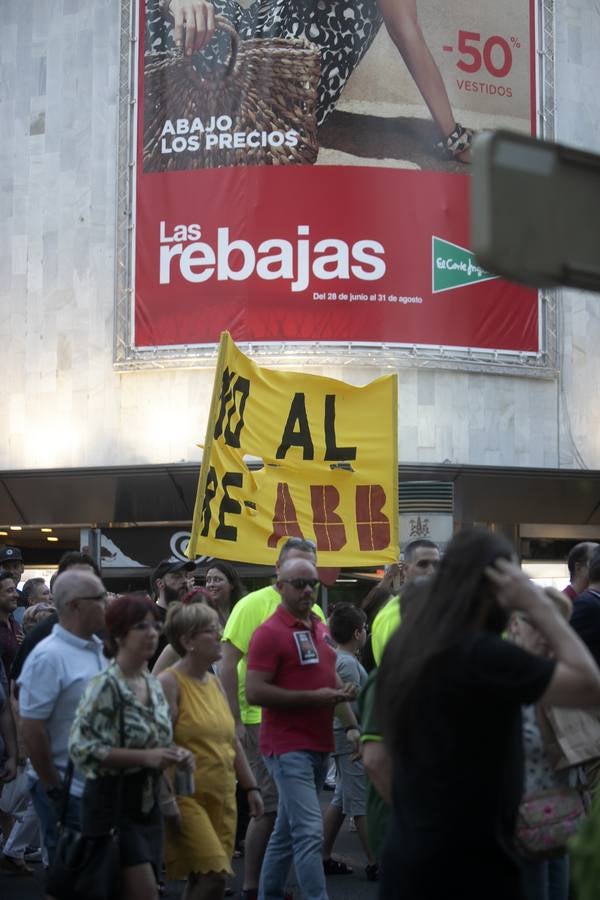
(122, 495)
(152, 494)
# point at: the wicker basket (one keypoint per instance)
(268, 86)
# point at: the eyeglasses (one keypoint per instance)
(99, 598)
(300, 583)
(145, 626)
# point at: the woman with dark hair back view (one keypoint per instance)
(450, 697)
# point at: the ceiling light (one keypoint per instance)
(3, 533)
(15, 528)
(52, 539)
(46, 530)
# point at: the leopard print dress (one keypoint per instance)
(343, 30)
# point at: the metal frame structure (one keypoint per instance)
(126, 357)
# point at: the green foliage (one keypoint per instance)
(585, 855)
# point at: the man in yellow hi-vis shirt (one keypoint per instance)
(421, 558)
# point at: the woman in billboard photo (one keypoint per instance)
(341, 30)
(401, 21)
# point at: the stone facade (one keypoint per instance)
(65, 405)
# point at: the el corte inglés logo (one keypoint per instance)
(453, 267)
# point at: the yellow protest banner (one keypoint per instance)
(330, 466)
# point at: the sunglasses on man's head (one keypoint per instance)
(300, 542)
(300, 583)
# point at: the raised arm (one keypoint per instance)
(576, 678)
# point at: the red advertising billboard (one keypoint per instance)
(300, 174)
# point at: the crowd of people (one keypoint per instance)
(195, 723)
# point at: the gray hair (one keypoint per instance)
(296, 543)
(29, 586)
(71, 584)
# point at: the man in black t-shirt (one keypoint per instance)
(578, 562)
(585, 618)
(168, 584)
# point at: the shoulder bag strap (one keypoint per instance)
(121, 703)
(66, 786)
(70, 768)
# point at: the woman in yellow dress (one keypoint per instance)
(201, 827)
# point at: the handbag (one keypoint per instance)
(572, 736)
(84, 867)
(87, 867)
(547, 819)
(259, 109)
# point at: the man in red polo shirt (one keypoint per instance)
(291, 673)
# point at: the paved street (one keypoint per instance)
(340, 887)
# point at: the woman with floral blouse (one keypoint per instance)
(126, 699)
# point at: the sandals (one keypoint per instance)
(456, 143)
(336, 867)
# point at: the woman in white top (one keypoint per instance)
(542, 879)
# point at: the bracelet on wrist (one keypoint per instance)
(351, 728)
(254, 787)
